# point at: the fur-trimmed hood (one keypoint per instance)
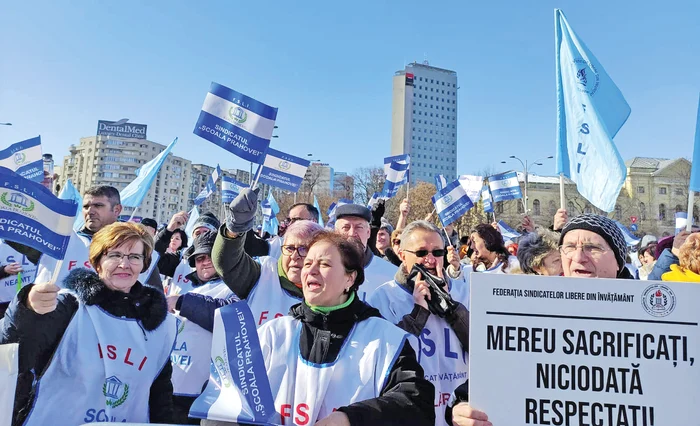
(144, 303)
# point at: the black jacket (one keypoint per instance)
(39, 335)
(167, 263)
(406, 399)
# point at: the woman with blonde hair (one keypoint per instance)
(688, 269)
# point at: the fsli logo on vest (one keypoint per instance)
(121, 129)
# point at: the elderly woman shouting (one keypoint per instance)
(100, 352)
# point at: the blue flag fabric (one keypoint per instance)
(630, 239)
(136, 191)
(209, 188)
(282, 170)
(451, 203)
(332, 208)
(270, 208)
(507, 232)
(236, 123)
(70, 192)
(400, 159)
(237, 367)
(318, 208)
(230, 188)
(374, 200)
(25, 159)
(486, 198)
(590, 112)
(695, 171)
(31, 215)
(395, 178)
(440, 182)
(189, 228)
(505, 186)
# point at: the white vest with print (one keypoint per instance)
(8, 285)
(268, 300)
(102, 370)
(438, 350)
(191, 354)
(377, 273)
(304, 392)
(179, 284)
(498, 268)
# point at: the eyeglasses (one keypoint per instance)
(291, 220)
(117, 257)
(591, 250)
(289, 250)
(423, 253)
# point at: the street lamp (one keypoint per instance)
(526, 172)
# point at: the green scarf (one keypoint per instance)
(329, 309)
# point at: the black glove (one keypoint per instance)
(440, 302)
(377, 214)
(242, 211)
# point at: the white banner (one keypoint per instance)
(584, 352)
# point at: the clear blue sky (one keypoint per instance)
(328, 67)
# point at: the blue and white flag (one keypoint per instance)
(270, 208)
(189, 228)
(630, 239)
(374, 200)
(238, 389)
(451, 203)
(681, 221)
(486, 198)
(230, 188)
(25, 159)
(209, 188)
(282, 170)
(334, 206)
(401, 159)
(695, 170)
(395, 178)
(236, 123)
(318, 208)
(590, 112)
(70, 192)
(505, 186)
(472, 186)
(440, 182)
(136, 191)
(507, 232)
(31, 215)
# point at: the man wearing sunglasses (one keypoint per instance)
(440, 339)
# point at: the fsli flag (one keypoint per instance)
(395, 177)
(270, 208)
(451, 203)
(630, 239)
(24, 158)
(236, 123)
(505, 186)
(440, 182)
(486, 198)
(31, 215)
(238, 389)
(590, 111)
(230, 188)
(70, 192)
(282, 170)
(507, 232)
(209, 188)
(332, 208)
(134, 193)
(695, 171)
(374, 200)
(401, 159)
(472, 186)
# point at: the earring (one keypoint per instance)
(347, 290)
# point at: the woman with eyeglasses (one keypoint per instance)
(100, 352)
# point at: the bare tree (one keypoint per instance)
(368, 180)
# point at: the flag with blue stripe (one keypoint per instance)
(237, 362)
(236, 123)
(374, 200)
(270, 208)
(318, 208)
(70, 192)
(401, 159)
(695, 170)
(681, 221)
(486, 198)
(209, 188)
(230, 188)
(505, 186)
(508, 232)
(136, 191)
(395, 178)
(31, 215)
(472, 186)
(451, 203)
(590, 112)
(630, 239)
(440, 182)
(332, 208)
(282, 170)
(25, 159)
(193, 216)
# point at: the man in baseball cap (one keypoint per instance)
(151, 226)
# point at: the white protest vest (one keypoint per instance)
(179, 284)
(305, 392)
(268, 300)
(8, 286)
(102, 370)
(438, 350)
(191, 354)
(497, 269)
(78, 256)
(275, 247)
(377, 273)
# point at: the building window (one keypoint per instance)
(618, 212)
(662, 211)
(662, 190)
(570, 209)
(499, 208)
(536, 208)
(679, 209)
(552, 208)
(640, 190)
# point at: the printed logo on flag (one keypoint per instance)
(20, 158)
(238, 115)
(282, 170)
(587, 76)
(18, 202)
(285, 165)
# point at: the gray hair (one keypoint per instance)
(534, 247)
(418, 225)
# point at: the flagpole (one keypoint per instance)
(448, 237)
(562, 196)
(257, 176)
(689, 219)
(133, 213)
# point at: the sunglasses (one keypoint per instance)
(423, 253)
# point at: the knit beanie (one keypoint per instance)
(604, 227)
(207, 220)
